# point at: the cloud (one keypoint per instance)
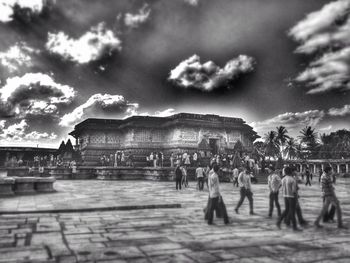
(2, 124)
(34, 135)
(15, 131)
(35, 94)
(19, 132)
(99, 105)
(290, 120)
(325, 34)
(339, 112)
(328, 73)
(328, 128)
(164, 113)
(319, 29)
(192, 2)
(94, 45)
(190, 73)
(24, 10)
(135, 20)
(17, 56)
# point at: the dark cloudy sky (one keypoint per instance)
(269, 62)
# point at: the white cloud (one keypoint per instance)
(7, 7)
(15, 131)
(330, 72)
(192, 2)
(19, 132)
(35, 136)
(16, 57)
(290, 120)
(33, 93)
(135, 20)
(2, 124)
(319, 28)
(328, 128)
(191, 73)
(164, 113)
(100, 105)
(93, 45)
(326, 34)
(345, 110)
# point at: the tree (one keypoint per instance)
(309, 141)
(281, 138)
(271, 146)
(335, 145)
(291, 149)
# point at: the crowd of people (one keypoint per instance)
(39, 161)
(283, 180)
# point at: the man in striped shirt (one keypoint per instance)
(329, 198)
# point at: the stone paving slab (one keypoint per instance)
(164, 235)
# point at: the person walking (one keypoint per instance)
(329, 215)
(329, 198)
(308, 177)
(274, 182)
(200, 177)
(235, 176)
(244, 181)
(178, 177)
(184, 180)
(214, 196)
(289, 189)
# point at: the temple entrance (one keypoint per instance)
(214, 145)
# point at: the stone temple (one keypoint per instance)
(140, 135)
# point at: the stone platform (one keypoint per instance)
(162, 235)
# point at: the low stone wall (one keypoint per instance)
(117, 173)
(26, 185)
(6, 186)
(17, 171)
(134, 173)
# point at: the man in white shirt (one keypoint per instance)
(274, 182)
(200, 177)
(289, 190)
(214, 195)
(245, 189)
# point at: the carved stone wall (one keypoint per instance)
(234, 136)
(142, 135)
(113, 138)
(188, 134)
(98, 138)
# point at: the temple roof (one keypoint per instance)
(186, 119)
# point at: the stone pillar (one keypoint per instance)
(322, 167)
(338, 168)
(315, 171)
(347, 167)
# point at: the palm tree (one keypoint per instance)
(271, 146)
(309, 139)
(291, 149)
(281, 138)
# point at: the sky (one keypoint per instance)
(268, 62)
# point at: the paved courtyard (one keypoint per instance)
(161, 235)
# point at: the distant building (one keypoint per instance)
(140, 135)
(26, 154)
